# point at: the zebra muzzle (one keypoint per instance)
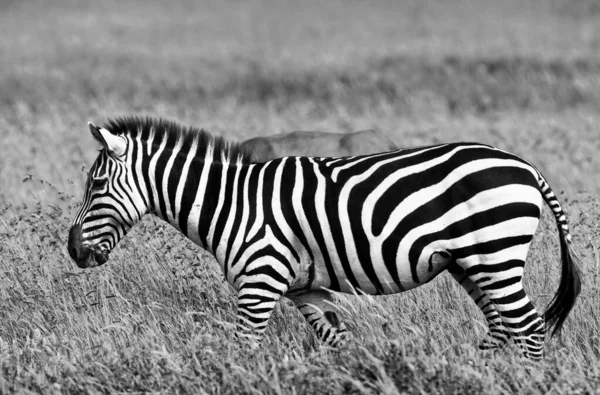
(85, 256)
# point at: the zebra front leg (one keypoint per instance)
(320, 312)
(257, 296)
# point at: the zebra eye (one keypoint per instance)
(99, 182)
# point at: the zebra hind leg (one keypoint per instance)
(319, 311)
(498, 334)
(502, 284)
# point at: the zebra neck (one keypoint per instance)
(200, 200)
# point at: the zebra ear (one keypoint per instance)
(115, 145)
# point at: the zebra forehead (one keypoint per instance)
(159, 129)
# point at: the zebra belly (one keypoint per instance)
(435, 260)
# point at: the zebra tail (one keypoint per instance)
(570, 279)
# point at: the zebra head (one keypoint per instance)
(111, 205)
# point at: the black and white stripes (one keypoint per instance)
(297, 227)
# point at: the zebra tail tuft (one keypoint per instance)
(568, 289)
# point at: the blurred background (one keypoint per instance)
(520, 75)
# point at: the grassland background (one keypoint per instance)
(523, 76)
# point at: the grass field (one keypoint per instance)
(523, 76)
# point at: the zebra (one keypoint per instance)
(302, 143)
(302, 227)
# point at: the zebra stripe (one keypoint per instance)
(375, 224)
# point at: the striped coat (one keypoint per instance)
(301, 226)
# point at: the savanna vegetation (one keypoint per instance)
(523, 76)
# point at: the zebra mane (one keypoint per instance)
(175, 133)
